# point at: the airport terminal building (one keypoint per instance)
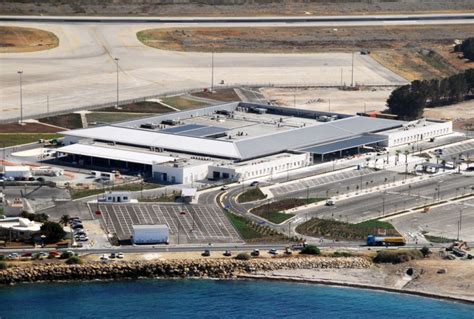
(236, 141)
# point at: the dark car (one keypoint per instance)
(254, 183)
(227, 253)
(206, 253)
(78, 226)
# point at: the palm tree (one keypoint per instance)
(64, 220)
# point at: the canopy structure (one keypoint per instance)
(345, 144)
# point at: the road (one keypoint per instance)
(324, 20)
(379, 204)
(82, 71)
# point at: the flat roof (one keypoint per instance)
(115, 153)
(345, 144)
(147, 138)
(306, 133)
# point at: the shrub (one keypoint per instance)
(397, 256)
(66, 255)
(425, 251)
(74, 260)
(243, 256)
(342, 254)
(3, 265)
(2, 257)
(310, 250)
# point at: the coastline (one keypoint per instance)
(355, 285)
(355, 272)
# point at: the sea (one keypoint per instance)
(215, 299)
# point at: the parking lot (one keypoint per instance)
(198, 224)
(441, 221)
(465, 148)
(302, 185)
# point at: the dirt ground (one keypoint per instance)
(458, 281)
(19, 39)
(230, 7)
(461, 114)
(330, 99)
(414, 52)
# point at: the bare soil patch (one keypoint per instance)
(19, 39)
(415, 52)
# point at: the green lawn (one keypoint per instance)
(344, 231)
(109, 117)
(11, 139)
(254, 233)
(182, 103)
(80, 193)
(245, 231)
(250, 195)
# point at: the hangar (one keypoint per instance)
(236, 141)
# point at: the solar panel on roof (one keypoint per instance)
(183, 128)
(205, 131)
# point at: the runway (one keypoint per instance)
(82, 71)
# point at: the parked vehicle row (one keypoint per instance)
(79, 234)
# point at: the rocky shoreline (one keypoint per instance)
(202, 268)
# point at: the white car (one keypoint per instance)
(224, 188)
(13, 256)
(104, 257)
(120, 255)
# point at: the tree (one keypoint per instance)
(310, 250)
(467, 48)
(425, 251)
(53, 232)
(64, 220)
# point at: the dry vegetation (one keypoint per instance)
(19, 39)
(230, 7)
(396, 47)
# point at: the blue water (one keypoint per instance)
(215, 299)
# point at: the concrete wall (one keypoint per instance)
(261, 167)
(180, 174)
(419, 133)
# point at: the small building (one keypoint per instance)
(150, 234)
(18, 229)
(17, 172)
(116, 197)
(188, 194)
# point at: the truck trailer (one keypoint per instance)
(385, 240)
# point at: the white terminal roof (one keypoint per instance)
(114, 153)
(210, 147)
(243, 148)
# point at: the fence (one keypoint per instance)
(187, 91)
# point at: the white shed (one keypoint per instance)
(150, 234)
(17, 171)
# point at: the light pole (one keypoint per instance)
(352, 73)
(117, 64)
(20, 73)
(212, 71)
(307, 194)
